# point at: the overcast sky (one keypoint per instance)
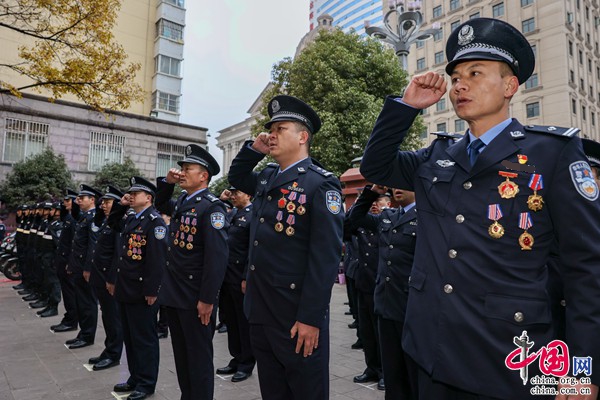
(230, 47)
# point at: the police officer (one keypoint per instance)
(350, 261)
(19, 237)
(140, 267)
(234, 286)
(196, 264)
(80, 263)
(479, 282)
(102, 278)
(366, 272)
(50, 239)
(39, 250)
(295, 249)
(397, 229)
(35, 219)
(22, 251)
(68, 208)
(592, 152)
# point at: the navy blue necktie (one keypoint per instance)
(474, 148)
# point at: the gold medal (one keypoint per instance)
(181, 227)
(535, 202)
(181, 244)
(189, 246)
(139, 257)
(508, 189)
(279, 227)
(186, 229)
(143, 242)
(526, 241)
(134, 257)
(129, 253)
(290, 207)
(496, 230)
(193, 230)
(301, 210)
(290, 231)
(175, 242)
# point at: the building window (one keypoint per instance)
(420, 64)
(574, 106)
(476, 15)
(420, 43)
(167, 155)
(178, 3)
(169, 30)
(581, 84)
(459, 125)
(454, 25)
(528, 25)
(168, 65)
(580, 57)
(454, 4)
(105, 148)
(591, 89)
(437, 11)
(583, 112)
(598, 72)
(439, 57)
(438, 35)
(526, 2)
(440, 105)
(589, 65)
(579, 29)
(23, 139)
(423, 134)
(593, 115)
(569, 18)
(166, 101)
(571, 76)
(533, 110)
(534, 49)
(532, 81)
(441, 127)
(424, 111)
(498, 10)
(570, 48)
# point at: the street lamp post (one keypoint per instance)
(406, 31)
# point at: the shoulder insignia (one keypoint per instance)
(447, 135)
(160, 232)
(211, 197)
(320, 170)
(152, 216)
(553, 130)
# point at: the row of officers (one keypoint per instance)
(134, 252)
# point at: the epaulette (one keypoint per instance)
(152, 216)
(447, 135)
(320, 170)
(211, 197)
(553, 130)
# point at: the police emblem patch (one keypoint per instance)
(217, 220)
(95, 228)
(334, 201)
(107, 189)
(275, 106)
(160, 232)
(581, 175)
(188, 150)
(466, 35)
(133, 181)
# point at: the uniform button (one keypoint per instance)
(167, 263)
(169, 248)
(103, 269)
(118, 269)
(387, 278)
(434, 179)
(256, 242)
(409, 278)
(262, 220)
(367, 254)
(269, 198)
(389, 263)
(369, 244)
(519, 316)
(391, 246)
(121, 258)
(123, 247)
(452, 253)
(448, 288)
(414, 233)
(237, 261)
(365, 264)
(191, 277)
(292, 286)
(141, 279)
(460, 218)
(252, 268)
(467, 185)
(393, 231)
(563, 303)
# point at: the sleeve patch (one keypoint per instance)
(160, 232)
(334, 201)
(583, 179)
(217, 220)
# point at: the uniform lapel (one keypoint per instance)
(458, 152)
(289, 175)
(498, 150)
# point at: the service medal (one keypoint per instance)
(129, 253)
(496, 230)
(290, 207)
(181, 244)
(508, 189)
(189, 246)
(535, 201)
(193, 230)
(301, 210)
(279, 227)
(186, 229)
(495, 213)
(525, 240)
(181, 227)
(290, 231)
(175, 242)
(143, 242)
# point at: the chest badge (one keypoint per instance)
(495, 213)
(508, 189)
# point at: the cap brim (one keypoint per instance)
(475, 56)
(288, 118)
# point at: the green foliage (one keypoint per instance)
(39, 177)
(218, 185)
(116, 174)
(345, 79)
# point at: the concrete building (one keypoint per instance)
(347, 14)
(151, 33)
(564, 89)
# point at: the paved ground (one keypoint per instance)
(35, 365)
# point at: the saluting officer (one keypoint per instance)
(80, 263)
(140, 268)
(397, 229)
(491, 206)
(295, 250)
(49, 244)
(196, 264)
(234, 286)
(102, 278)
(67, 282)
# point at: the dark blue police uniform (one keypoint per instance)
(475, 286)
(397, 239)
(50, 239)
(196, 263)
(140, 268)
(295, 250)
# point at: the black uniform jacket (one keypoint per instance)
(238, 236)
(84, 240)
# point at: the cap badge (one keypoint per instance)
(188, 150)
(551, 128)
(466, 35)
(81, 187)
(133, 180)
(108, 189)
(275, 106)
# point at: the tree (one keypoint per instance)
(218, 185)
(72, 51)
(116, 174)
(345, 79)
(39, 177)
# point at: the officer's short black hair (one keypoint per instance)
(302, 127)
